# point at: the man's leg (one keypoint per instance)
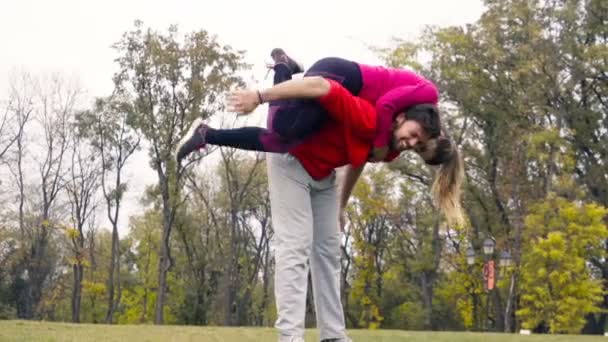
(292, 222)
(325, 260)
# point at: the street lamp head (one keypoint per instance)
(488, 246)
(470, 256)
(505, 259)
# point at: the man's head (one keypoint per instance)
(415, 126)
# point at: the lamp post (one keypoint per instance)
(489, 272)
(470, 262)
(488, 275)
(505, 262)
(470, 256)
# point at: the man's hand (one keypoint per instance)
(378, 154)
(243, 101)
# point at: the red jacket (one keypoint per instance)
(346, 139)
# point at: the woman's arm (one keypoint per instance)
(245, 101)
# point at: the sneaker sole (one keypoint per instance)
(186, 137)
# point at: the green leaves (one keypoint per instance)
(173, 79)
(558, 288)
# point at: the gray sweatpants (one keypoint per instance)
(305, 222)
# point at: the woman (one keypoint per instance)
(291, 121)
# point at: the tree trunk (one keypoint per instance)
(164, 263)
(38, 269)
(21, 188)
(114, 264)
(427, 300)
(499, 319)
(163, 267)
(476, 323)
(77, 292)
(429, 277)
(265, 294)
(509, 305)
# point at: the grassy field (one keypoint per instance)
(42, 331)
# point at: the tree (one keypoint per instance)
(417, 245)
(82, 186)
(55, 102)
(236, 212)
(21, 100)
(17, 112)
(558, 288)
(107, 127)
(171, 83)
(143, 241)
(248, 209)
(370, 216)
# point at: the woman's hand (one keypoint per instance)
(243, 101)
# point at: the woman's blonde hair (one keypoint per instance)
(447, 186)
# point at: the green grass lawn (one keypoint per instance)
(43, 331)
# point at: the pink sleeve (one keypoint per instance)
(397, 100)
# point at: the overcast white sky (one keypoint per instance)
(73, 37)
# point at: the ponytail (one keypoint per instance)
(446, 188)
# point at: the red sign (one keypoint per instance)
(489, 275)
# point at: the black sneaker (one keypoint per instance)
(194, 140)
(279, 56)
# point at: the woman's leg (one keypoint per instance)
(289, 122)
(343, 71)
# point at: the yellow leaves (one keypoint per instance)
(370, 316)
(94, 288)
(391, 274)
(365, 300)
(376, 318)
(465, 308)
(541, 272)
(556, 285)
(79, 260)
(46, 224)
(72, 233)
(572, 218)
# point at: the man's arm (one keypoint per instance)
(245, 101)
(351, 175)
